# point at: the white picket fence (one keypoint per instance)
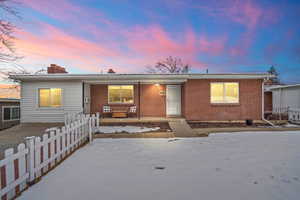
(31, 161)
(294, 114)
(71, 117)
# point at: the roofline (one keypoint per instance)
(138, 77)
(9, 100)
(285, 86)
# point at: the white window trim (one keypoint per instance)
(50, 107)
(8, 120)
(224, 93)
(119, 102)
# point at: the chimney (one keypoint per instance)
(111, 71)
(56, 69)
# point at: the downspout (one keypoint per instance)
(263, 104)
(280, 103)
(139, 108)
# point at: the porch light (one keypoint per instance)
(156, 84)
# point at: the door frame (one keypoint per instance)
(180, 99)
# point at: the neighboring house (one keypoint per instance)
(10, 91)
(9, 112)
(284, 96)
(47, 97)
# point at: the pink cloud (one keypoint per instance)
(55, 44)
(144, 46)
(156, 42)
(245, 12)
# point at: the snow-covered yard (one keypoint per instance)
(125, 129)
(222, 166)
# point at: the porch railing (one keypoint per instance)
(294, 114)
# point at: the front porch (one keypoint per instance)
(140, 120)
(140, 101)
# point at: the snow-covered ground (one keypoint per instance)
(126, 129)
(222, 166)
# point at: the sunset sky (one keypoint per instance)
(87, 36)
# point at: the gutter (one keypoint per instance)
(263, 105)
(136, 77)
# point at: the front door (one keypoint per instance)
(173, 100)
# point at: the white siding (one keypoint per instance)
(30, 110)
(286, 97)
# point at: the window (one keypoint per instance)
(50, 97)
(120, 94)
(224, 92)
(10, 113)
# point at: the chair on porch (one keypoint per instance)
(106, 111)
(132, 112)
(119, 111)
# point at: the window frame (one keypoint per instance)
(49, 107)
(10, 115)
(224, 93)
(108, 99)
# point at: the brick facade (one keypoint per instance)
(195, 100)
(153, 103)
(198, 106)
(99, 97)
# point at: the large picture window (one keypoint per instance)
(120, 94)
(50, 97)
(10, 113)
(224, 92)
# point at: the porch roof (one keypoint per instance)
(136, 77)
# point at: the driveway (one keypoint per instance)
(15, 135)
(246, 166)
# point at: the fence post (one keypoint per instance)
(90, 130)
(98, 120)
(30, 158)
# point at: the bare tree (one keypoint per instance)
(17, 69)
(7, 50)
(171, 65)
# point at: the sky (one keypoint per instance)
(91, 36)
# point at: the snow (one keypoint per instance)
(127, 129)
(291, 125)
(250, 165)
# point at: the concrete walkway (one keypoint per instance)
(181, 128)
(15, 135)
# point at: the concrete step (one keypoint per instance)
(181, 128)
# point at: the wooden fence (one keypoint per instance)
(39, 155)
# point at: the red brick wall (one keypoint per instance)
(268, 101)
(198, 106)
(195, 100)
(98, 97)
(153, 104)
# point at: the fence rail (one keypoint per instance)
(294, 114)
(39, 155)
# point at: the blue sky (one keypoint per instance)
(128, 35)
